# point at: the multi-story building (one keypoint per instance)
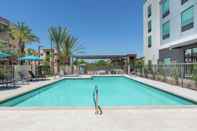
(4, 35)
(178, 31)
(151, 29)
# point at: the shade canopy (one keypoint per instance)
(30, 58)
(3, 55)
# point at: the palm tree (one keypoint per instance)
(22, 35)
(57, 36)
(69, 48)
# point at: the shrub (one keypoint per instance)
(2, 75)
(162, 73)
(175, 75)
(146, 72)
(194, 74)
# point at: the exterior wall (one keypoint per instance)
(4, 36)
(152, 53)
(175, 21)
(177, 54)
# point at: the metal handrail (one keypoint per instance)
(98, 110)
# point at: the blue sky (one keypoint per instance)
(102, 26)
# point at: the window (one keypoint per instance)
(149, 41)
(187, 19)
(166, 30)
(165, 8)
(149, 26)
(190, 55)
(188, 52)
(149, 11)
(183, 1)
(194, 50)
(167, 61)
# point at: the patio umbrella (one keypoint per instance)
(3, 55)
(30, 58)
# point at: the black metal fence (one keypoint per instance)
(184, 75)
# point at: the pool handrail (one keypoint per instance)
(98, 110)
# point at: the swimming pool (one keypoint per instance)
(113, 91)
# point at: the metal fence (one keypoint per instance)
(21, 72)
(180, 74)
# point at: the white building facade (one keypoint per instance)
(151, 29)
(178, 31)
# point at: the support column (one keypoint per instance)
(128, 65)
(71, 63)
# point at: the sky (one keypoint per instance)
(101, 26)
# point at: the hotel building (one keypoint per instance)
(178, 31)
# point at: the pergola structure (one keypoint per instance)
(127, 59)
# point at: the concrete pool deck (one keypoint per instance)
(157, 118)
(111, 120)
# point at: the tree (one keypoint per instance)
(22, 35)
(31, 52)
(69, 48)
(58, 36)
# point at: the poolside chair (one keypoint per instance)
(36, 78)
(6, 81)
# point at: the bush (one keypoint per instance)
(2, 74)
(163, 74)
(146, 72)
(175, 75)
(194, 74)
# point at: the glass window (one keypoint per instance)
(149, 11)
(188, 52)
(187, 19)
(183, 1)
(165, 8)
(149, 41)
(194, 50)
(167, 61)
(166, 30)
(149, 26)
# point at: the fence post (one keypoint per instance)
(182, 74)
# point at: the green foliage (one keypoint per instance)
(79, 62)
(65, 44)
(2, 74)
(101, 64)
(57, 36)
(69, 48)
(162, 73)
(146, 71)
(175, 75)
(139, 64)
(45, 70)
(194, 74)
(23, 35)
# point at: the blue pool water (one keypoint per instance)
(113, 91)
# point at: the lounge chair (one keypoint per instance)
(6, 81)
(36, 78)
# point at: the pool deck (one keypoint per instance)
(111, 120)
(158, 118)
